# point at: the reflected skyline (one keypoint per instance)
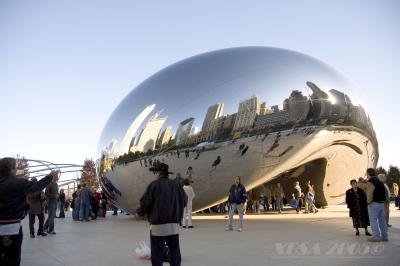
(321, 108)
(265, 114)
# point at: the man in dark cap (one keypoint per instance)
(163, 203)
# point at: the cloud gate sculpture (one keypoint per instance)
(266, 114)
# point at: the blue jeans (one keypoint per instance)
(75, 212)
(84, 211)
(51, 214)
(232, 209)
(376, 212)
(62, 214)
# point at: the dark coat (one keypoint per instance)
(163, 201)
(35, 202)
(363, 202)
(13, 191)
(237, 194)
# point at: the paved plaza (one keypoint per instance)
(325, 238)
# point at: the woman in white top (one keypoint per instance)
(187, 212)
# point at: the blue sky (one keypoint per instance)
(65, 65)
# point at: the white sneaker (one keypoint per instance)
(228, 229)
(240, 230)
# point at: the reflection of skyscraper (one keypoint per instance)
(358, 115)
(339, 96)
(321, 105)
(213, 112)
(183, 130)
(110, 150)
(194, 131)
(248, 110)
(342, 103)
(164, 137)
(275, 108)
(297, 105)
(150, 133)
(130, 133)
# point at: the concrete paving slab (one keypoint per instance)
(325, 238)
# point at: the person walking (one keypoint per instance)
(95, 203)
(13, 192)
(189, 173)
(75, 205)
(310, 199)
(52, 195)
(237, 198)
(279, 195)
(187, 212)
(396, 195)
(84, 194)
(103, 204)
(356, 201)
(382, 178)
(268, 196)
(62, 204)
(376, 209)
(298, 195)
(35, 202)
(163, 203)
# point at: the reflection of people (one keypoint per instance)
(189, 173)
(179, 179)
(356, 201)
(216, 162)
(110, 187)
(13, 193)
(237, 198)
(245, 150)
(163, 202)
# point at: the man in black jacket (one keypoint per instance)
(163, 203)
(13, 191)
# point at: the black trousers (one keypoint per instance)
(32, 222)
(10, 249)
(157, 247)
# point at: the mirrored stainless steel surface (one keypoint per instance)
(265, 114)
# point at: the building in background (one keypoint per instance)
(297, 105)
(183, 130)
(148, 137)
(164, 137)
(213, 113)
(247, 112)
(131, 132)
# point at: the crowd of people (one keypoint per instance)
(167, 203)
(368, 201)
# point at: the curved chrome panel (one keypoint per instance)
(257, 112)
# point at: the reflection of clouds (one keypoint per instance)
(131, 132)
